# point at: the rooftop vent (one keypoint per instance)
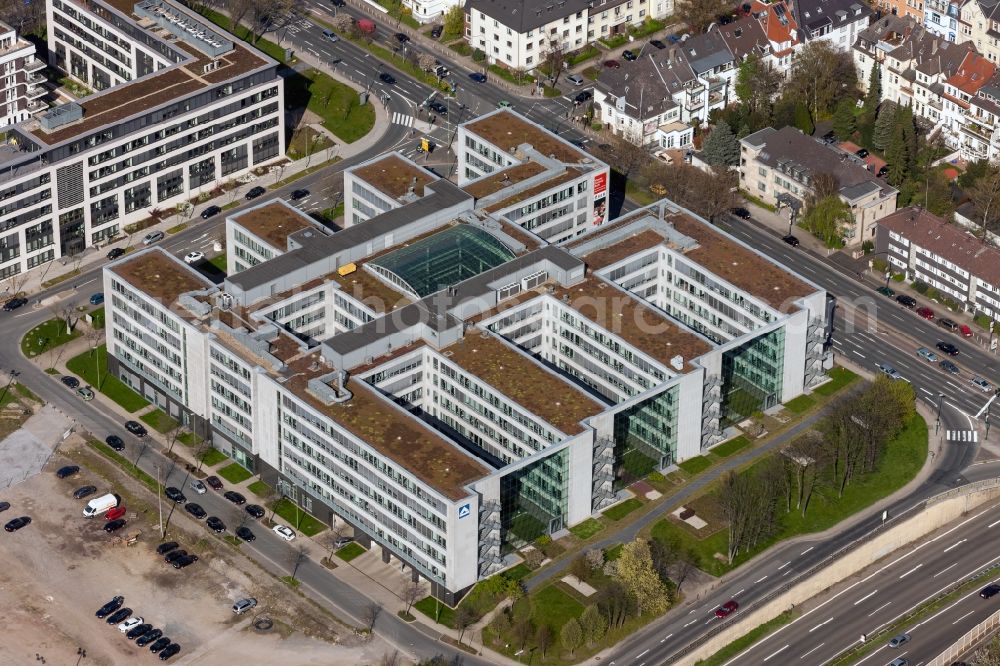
(677, 363)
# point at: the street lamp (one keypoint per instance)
(937, 423)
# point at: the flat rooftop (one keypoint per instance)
(394, 433)
(503, 179)
(273, 223)
(524, 195)
(623, 249)
(370, 290)
(160, 275)
(507, 130)
(158, 88)
(635, 322)
(739, 265)
(525, 382)
(393, 176)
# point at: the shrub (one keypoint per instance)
(868, 247)
(921, 287)
(478, 56)
(898, 277)
(880, 265)
(533, 558)
(595, 558)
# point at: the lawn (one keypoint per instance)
(219, 262)
(801, 404)
(518, 572)
(307, 141)
(839, 378)
(436, 611)
(188, 438)
(213, 457)
(97, 317)
(695, 465)
(47, 335)
(244, 33)
(734, 445)
(619, 511)
(259, 488)
(742, 643)
(159, 421)
(554, 607)
(586, 529)
(86, 366)
(176, 229)
(350, 551)
(336, 103)
(297, 517)
(234, 473)
(613, 553)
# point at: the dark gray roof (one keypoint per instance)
(524, 15)
(651, 81)
(813, 14)
(707, 51)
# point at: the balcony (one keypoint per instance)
(35, 79)
(34, 65)
(977, 132)
(35, 106)
(34, 92)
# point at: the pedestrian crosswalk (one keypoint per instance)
(402, 119)
(971, 436)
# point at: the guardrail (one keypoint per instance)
(971, 639)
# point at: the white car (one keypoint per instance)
(198, 487)
(284, 532)
(194, 257)
(129, 624)
(982, 384)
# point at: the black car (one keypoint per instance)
(149, 637)
(70, 382)
(630, 56)
(791, 240)
(387, 78)
(948, 366)
(255, 510)
(741, 213)
(169, 651)
(246, 534)
(211, 211)
(14, 304)
(436, 31)
(166, 547)
(4, 506)
(119, 616)
(84, 491)
(68, 470)
(159, 644)
(195, 510)
(338, 3)
(185, 561)
(401, 37)
(861, 152)
(109, 607)
(254, 192)
(883, 171)
(438, 108)
(657, 43)
(478, 77)
(583, 96)
(216, 525)
(299, 194)
(17, 524)
(906, 301)
(115, 442)
(214, 483)
(947, 348)
(990, 590)
(174, 494)
(115, 525)
(174, 555)
(829, 137)
(138, 630)
(725, 20)
(114, 253)
(235, 497)
(135, 428)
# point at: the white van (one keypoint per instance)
(100, 505)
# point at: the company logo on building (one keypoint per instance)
(464, 511)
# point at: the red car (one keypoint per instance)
(612, 64)
(114, 513)
(726, 609)
(926, 313)
(965, 330)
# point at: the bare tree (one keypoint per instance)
(824, 185)
(370, 615)
(427, 62)
(544, 638)
(297, 557)
(554, 60)
(985, 196)
(412, 593)
(464, 618)
(390, 659)
(65, 312)
(201, 450)
(238, 10)
(344, 24)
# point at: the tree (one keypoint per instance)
(465, 616)
(844, 122)
(521, 630)
(721, 147)
(883, 125)
(827, 220)
(554, 60)
(748, 505)
(390, 659)
(699, 14)
(824, 184)
(454, 21)
(636, 572)
(627, 157)
(426, 62)
(874, 95)
(544, 638)
(571, 635)
(783, 114)
(370, 615)
(412, 592)
(802, 118)
(593, 624)
(615, 602)
(580, 568)
(595, 558)
(296, 557)
(821, 76)
(757, 84)
(985, 197)
(973, 172)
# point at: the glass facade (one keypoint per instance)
(751, 376)
(646, 437)
(533, 500)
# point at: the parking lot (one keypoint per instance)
(62, 567)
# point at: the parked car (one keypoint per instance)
(185, 561)
(284, 532)
(169, 651)
(436, 31)
(896, 641)
(149, 637)
(948, 348)
(139, 630)
(629, 55)
(883, 171)
(927, 355)
(84, 491)
(926, 313)
(70, 382)
(68, 470)
(214, 483)
(906, 301)
(791, 240)
(97, 299)
(114, 525)
(342, 541)
(159, 644)
(948, 366)
(979, 383)
(583, 96)
(152, 237)
(4, 506)
(195, 510)
(110, 607)
(246, 534)
(174, 555)
(211, 211)
(115, 442)
(243, 605)
(948, 324)
(174, 494)
(193, 257)
(740, 212)
(198, 487)
(612, 64)
(965, 330)
(401, 37)
(387, 78)
(254, 192)
(255, 510)
(990, 591)
(136, 428)
(886, 291)
(235, 497)
(119, 616)
(14, 304)
(128, 624)
(576, 79)
(657, 43)
(166, 547)
(215, 524)
(86, 393)
(726, 609)
(861, 152)
(100, 505)
(114, 253)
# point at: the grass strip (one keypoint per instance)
(752, 637)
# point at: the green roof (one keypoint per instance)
(439, 261)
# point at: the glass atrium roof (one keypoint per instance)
(441, 260)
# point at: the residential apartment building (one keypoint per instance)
(979, 23)
(780, 165)
(517, 34)
(182, 108)
(429, 11)
(930, 249)
(837, 22)
(22, 78)
(944, 18)
(979, 137)
(449, 383)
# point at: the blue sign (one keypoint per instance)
(464, 511)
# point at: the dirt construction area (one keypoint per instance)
(62, 567)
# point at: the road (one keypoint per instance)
(888, 590)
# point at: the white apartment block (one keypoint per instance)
(445, 380)
(182, 108)
(837, 22)
(22, 88)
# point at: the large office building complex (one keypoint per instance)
(180, 107)
(22, 78)
(444, 378)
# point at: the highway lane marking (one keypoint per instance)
(806, 550)
(911, 571)
(313, 51)
(867, 596)
(954, 545)
(664, 639)
(950, 565)
(740, 592)
(641, 654)
(775, 654)
(879, 608)
(690, 623)
(884, 647)
(858, 353)
(820, 625)
(811, 651)
(963, 617)
(760, 581)
(994, 523)
(784, 565)
(926, 391)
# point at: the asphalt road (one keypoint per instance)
(887, 590)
